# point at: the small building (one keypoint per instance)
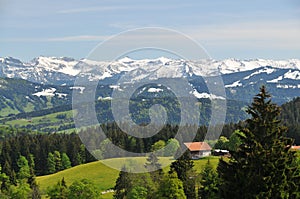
(198, 149)
(221, 152)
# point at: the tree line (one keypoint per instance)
(50, 152)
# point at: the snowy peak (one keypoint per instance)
(63, 64)
(160, 60)
(233, 65)
(10, 60)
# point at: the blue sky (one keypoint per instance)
(226, 29)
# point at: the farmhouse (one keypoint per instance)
(295, 148)
(198, 149)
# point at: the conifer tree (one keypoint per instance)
(57, 160)
(263, 165)
(152, 162)
(154, 167)
(51, 163)
(35, 194)
(122, 184)
(209, 182)
(65, 161)
(183, 166)
(24, 169)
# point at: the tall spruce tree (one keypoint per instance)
(154, 167)
(209, 182)
(122, 184)
(51, 163)
(262, 166)
(183, 166)
(65, 161)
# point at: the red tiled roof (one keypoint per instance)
(197, 146)
(295, 147)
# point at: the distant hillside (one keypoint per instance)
(19, 96)
(291, 117)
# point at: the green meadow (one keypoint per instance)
(103, 176)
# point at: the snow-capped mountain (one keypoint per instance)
(45, 70)
(240, 77)
(40, 68)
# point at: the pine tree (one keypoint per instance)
(154, 167)
(209, 182)
(65, 161)
(183, 166)
(24, 170)
(152, 163)
(122, 184)
(262, 166)
(51, 163)
(57, 160)
(35, 194)
(9, 172)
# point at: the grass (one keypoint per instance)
(7, 110)
(103, 176)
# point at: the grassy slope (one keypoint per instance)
(104, 177)
(46, 119)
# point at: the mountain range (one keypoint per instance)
(47, 82)
(282, 77)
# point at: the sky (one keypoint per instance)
(267, 29)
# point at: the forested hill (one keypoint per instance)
(290, 116)
(291, 112)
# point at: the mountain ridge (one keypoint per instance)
(69, 67)
(241, 78)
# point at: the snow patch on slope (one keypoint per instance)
(46, 92)
(275, 80)
(155, 90)
(234, 84)
(206, 95)
(81, 88)
(292, 75)
(264, 70)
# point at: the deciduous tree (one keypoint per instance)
(171, 187)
